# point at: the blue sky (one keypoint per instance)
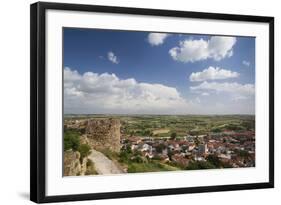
(156, 69)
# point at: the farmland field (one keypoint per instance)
(165, 125)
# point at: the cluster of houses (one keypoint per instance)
(237, 149)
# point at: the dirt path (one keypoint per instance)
(103, 165)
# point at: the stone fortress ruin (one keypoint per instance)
(100, 134)
(103, 134)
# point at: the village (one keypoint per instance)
(164, 143)
(227, 149)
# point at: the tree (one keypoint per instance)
(128, 149)
(196, 141)
(214, 160)
(147, 133)
(248, 124)
(242, 153)
(216, 129)
(173, 136)
(71, 140)
(206, 165)
(124, 156)
(132, 133)
(199, 165)
(192, 166)
(170, 154)
(159, 148)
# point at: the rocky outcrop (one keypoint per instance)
(72, 164)
(100, 134)
(103, 134)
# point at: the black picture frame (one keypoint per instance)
(38, 101)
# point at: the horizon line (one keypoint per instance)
(148, 114)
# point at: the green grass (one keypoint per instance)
(152, 166)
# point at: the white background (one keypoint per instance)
(14, 109)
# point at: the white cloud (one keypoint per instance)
(213, 73)
(106, 93)
(156, 39)
(197, 100)
(205, 94)
(236, 90)
(246, 63)
(112, 57)
(216, 48)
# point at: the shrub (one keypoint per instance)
(242, 153)
(71, 140)
(84, 150)
(200, 165)
(138, 159)
(89, 163)
(216, 129)
(90, 168)
(124, 156)
(214, 160)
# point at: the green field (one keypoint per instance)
(165, 125)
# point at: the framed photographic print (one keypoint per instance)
(129, 102)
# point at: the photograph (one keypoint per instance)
(136, 102)
(142, 101)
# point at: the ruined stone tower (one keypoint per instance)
(103, 134)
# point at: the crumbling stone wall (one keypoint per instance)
(72, 165)
(103, 134)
